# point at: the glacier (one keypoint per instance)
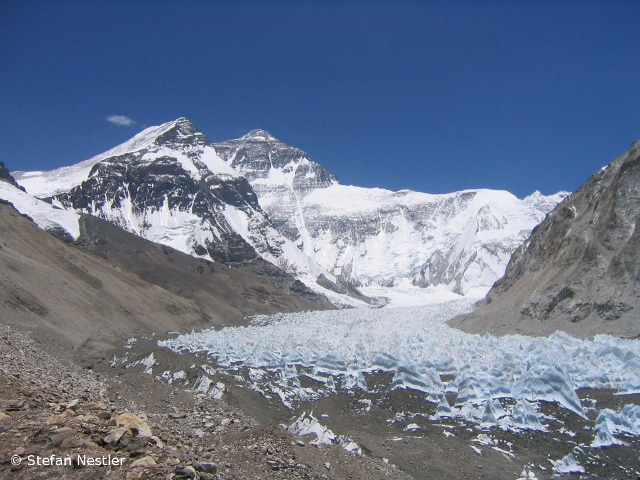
(567, 464)
(496, 382)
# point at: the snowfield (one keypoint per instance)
(45, 215)
(496, 381)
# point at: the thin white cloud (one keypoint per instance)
(121, 120)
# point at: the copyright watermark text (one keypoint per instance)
(68, 461)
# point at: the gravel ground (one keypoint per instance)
(101, 425)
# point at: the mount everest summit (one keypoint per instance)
(372, 236)
(257, 197)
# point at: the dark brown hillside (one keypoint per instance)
(580, 269)
(83, 300)
(227, 294)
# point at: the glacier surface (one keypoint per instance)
(496, 381)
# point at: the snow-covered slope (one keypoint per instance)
(168, 185)
(178, 138)
(153, 140)
(45, 215)
(462, 240)
(381, 240)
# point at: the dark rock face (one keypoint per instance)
(580, 269)
(5, 176)
(258, 155)
(134, 184)
(258, 152)
(184, 134)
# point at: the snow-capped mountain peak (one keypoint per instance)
(545, 202)
(259, 135)
(168, 185)
(161, 134)
(378, 238)
(178, 138)
(181, 132)
(257, 196)
(260, 156)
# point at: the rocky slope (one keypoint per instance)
(5, 176)
(580, 269)
(83, 296)
(132, 427)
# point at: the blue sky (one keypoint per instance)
(432, 96)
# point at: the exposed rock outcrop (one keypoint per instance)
(580, 269)
(5, 176)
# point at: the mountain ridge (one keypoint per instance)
(297, 194)
(256, 196)
(168, 185)
(579, 271)
(84, 295)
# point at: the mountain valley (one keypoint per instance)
(321, 318)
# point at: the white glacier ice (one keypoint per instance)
(527, 474)
(443, 410)
(208, 387)
(496, 381)
(609, 423)
(550, 383)
(526, 416)
(567, 464)
(604, 436)
(307, 424)
(423, 379)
